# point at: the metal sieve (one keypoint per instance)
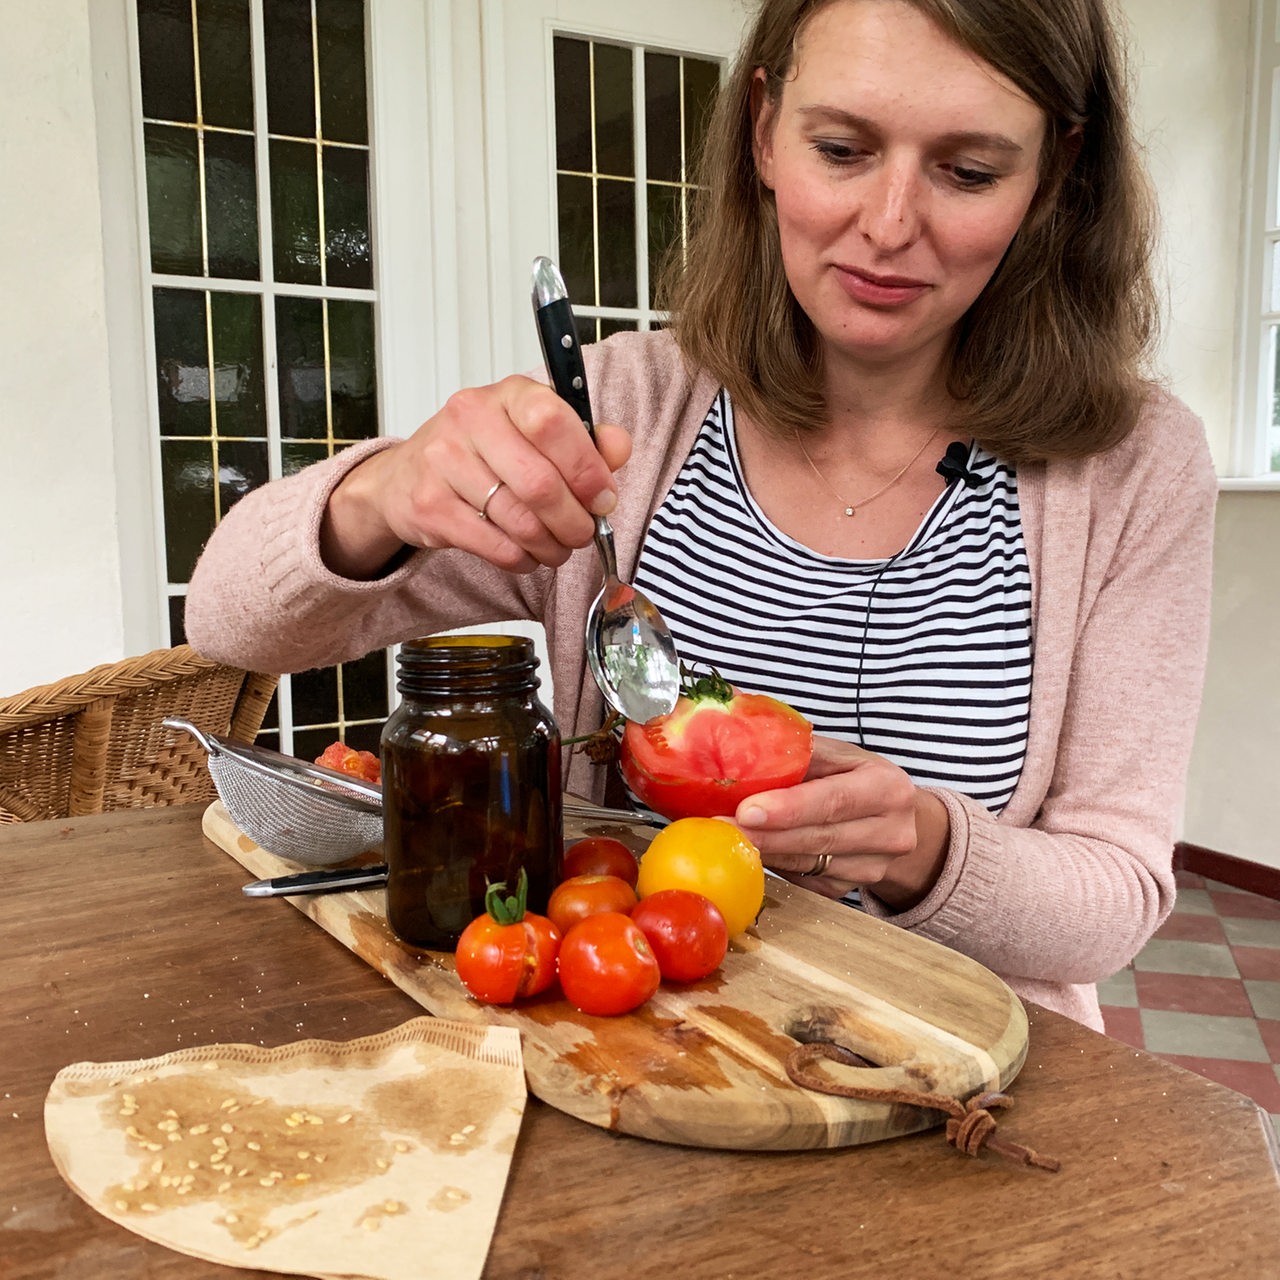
(310, 814)
(300, 811)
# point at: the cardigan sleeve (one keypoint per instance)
(262, 598)
(1070, 896)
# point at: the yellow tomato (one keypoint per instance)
(709, 857)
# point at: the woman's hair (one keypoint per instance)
(1048, 361)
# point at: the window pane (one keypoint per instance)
(187, 469)
(226, 86)
(340, 42)
(616, 326)
(309, 743)
(577, 237)
(573, 104)
(662, 116)
(297, 454)
(615, 119)
(348, 262)
(295, 213)
(701, 85)
(364, 688)
(167, 60)
(173, 200)
(177, 620)
(352, 379)
(617, 234)
(182, 362)
(231, 189)
(1273, 433)
(242, 466)
(315, 700)
(291, 94)
(665, 229)
(237, 356)
(300, 355)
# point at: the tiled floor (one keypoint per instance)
(1205, 991)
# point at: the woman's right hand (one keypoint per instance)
(428, 490)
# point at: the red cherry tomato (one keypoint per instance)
(686, 931)
(508, 952)
(582, 896)
(606, 965)
(716, 748)
(600, 856)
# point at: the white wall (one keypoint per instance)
(1191, 65)
(60, 589)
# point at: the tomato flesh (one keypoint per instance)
(708, 755)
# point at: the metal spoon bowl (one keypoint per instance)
(629, 647)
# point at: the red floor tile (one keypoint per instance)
(1256, 1080)
(1258, 962)
(1123, 1024)
(1245, 905)
(1188, 880)
(1270, 1030)
(1182, 926)
(1183, 993)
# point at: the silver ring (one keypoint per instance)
(483, 510)
(820, 866)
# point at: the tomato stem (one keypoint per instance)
(712, 687)
(503, 907)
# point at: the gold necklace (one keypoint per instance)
(849, 508)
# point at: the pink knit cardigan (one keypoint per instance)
(1059, 891)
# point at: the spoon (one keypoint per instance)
(629, 648)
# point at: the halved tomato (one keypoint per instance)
(716, 747)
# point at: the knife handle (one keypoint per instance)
(317, 882)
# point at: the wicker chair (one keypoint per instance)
(94, 742)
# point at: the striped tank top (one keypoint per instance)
(924, 658)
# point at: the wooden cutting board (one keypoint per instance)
(702, 1063)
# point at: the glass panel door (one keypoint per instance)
(255, 132)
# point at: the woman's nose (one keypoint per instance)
(889, 216)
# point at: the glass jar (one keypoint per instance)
(470, 784)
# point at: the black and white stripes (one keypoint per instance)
(924, 658)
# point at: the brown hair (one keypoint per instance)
(1048, 360)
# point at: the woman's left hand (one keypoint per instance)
(878, 827)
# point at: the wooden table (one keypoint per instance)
(126, 936)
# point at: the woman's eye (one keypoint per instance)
(972, 178)
(837, 152)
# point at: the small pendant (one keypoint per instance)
(848, 511)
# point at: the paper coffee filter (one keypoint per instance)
(383, 1157)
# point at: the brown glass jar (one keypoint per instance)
(470, 784)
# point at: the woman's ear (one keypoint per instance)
(762, 119)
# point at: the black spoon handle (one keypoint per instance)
(561, 351)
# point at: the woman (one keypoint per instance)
(896, 466)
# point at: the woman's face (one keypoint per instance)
(901, 165)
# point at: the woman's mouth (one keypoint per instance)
(879, 290)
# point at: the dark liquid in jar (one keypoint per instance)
(471, 807)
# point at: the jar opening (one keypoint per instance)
(479, 664)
